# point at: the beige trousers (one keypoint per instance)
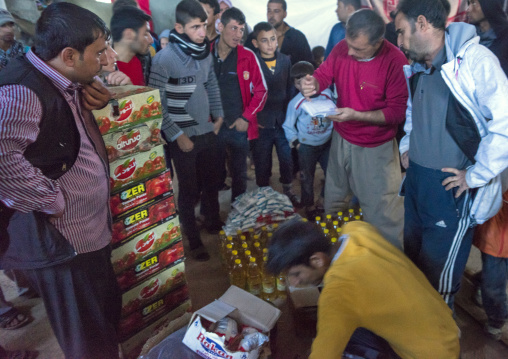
(373, 176)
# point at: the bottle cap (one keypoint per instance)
(351, 210)
(328, 216)
(229, 238)
(237, 261)
(323, 225)
(253, 260)
(222, 233)
(257, 244)
(234, 252)
(335, 223)
(247, 253)
(245, 245)
(243, 238)
(318, 218)
(326, 231)
(346, 219)
(339, 213)
(229, 246)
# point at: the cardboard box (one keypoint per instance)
(151, 312)
(239, 305)
(304, 301)
(130, 106)
(145, 245)
(147, 216)
(146, 268)
(132, 169)
(137, 139)
(153, 288)
(132, 347)
(149, 190)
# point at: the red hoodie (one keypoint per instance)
(373, 85)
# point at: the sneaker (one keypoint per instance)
(493, 332)
(295, 200)
(214, 227)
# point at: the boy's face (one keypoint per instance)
(164, 42)
(195, 29)
(211, 16)
(266, 42)
(303, 275)
(232, 33)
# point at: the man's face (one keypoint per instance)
(474, 12)
(342, 13)
(211, 16)
(223, 7)
(90, 62)
(266, 42)
(232, 33)
(195, 30)
(142, 41)
(275, 14)
(360, 48)
(7, 32)
(304, 275)
(408, 39)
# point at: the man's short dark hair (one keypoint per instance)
(318, 52)
(186, 10)
(262, 26)
(366, 22)
(301, 69)
(232, 13)
(128, 17)
(356, 4)
(214, 4)
(53, 30)
(293, 244)
(282, 2)
(432, 10)
(118, 4)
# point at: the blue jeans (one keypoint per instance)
(367, 345)
(262, 155)
(493, 285)
(234, 143)
(437, 232)
(308, 157)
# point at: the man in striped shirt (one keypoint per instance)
(60, 180)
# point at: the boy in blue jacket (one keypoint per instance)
(310, 136)
(276, 68)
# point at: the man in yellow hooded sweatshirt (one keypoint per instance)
(375, 302)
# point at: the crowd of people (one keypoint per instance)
(230, 92)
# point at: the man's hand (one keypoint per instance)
(95, 95)
(185, 143)
(118, 78)
(217, 125)
(344, 114)
(240, 124)
(404, 159)
(459, 180)
(57, 215)
(308, 86)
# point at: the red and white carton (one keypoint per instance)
(238, 304)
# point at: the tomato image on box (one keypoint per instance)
(137, 139)
(153, 289)
(150, 190)
(129, 170)
(130, 106)
(153, 264)
(146, 216)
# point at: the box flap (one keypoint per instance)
(252, 310)
(304, 297)
(215, 311)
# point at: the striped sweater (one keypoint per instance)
(189, 92)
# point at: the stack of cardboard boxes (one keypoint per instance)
(148, 252)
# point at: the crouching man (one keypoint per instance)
(375, 302)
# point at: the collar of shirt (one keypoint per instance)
(344, 241)
(438, 61)
(60, 81)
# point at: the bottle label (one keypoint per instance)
(267, 288)
(281, 285)
(254, 290)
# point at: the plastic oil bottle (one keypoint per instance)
(329, 221)
(254, 278)
(237, 275)
(281, 286)
(351, 214)
(317, 220)
(269, 286)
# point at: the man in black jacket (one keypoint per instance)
(492, 26)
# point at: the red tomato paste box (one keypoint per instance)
(239, 305)
(145, 245)
(149, 190)
(151, 312)
(145, 269)
(174, 320)
(137, 139)
(130, 105)
(131, 169)
(147, 216)
(153, 289)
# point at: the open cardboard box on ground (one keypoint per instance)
(304, 301)
(238, 304)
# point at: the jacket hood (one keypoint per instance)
(495, 14)
(457, 34)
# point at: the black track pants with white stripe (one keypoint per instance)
(437, 229)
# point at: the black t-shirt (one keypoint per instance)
(226, 72)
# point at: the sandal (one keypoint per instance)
(13, 319)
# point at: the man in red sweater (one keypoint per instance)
(372, 96)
